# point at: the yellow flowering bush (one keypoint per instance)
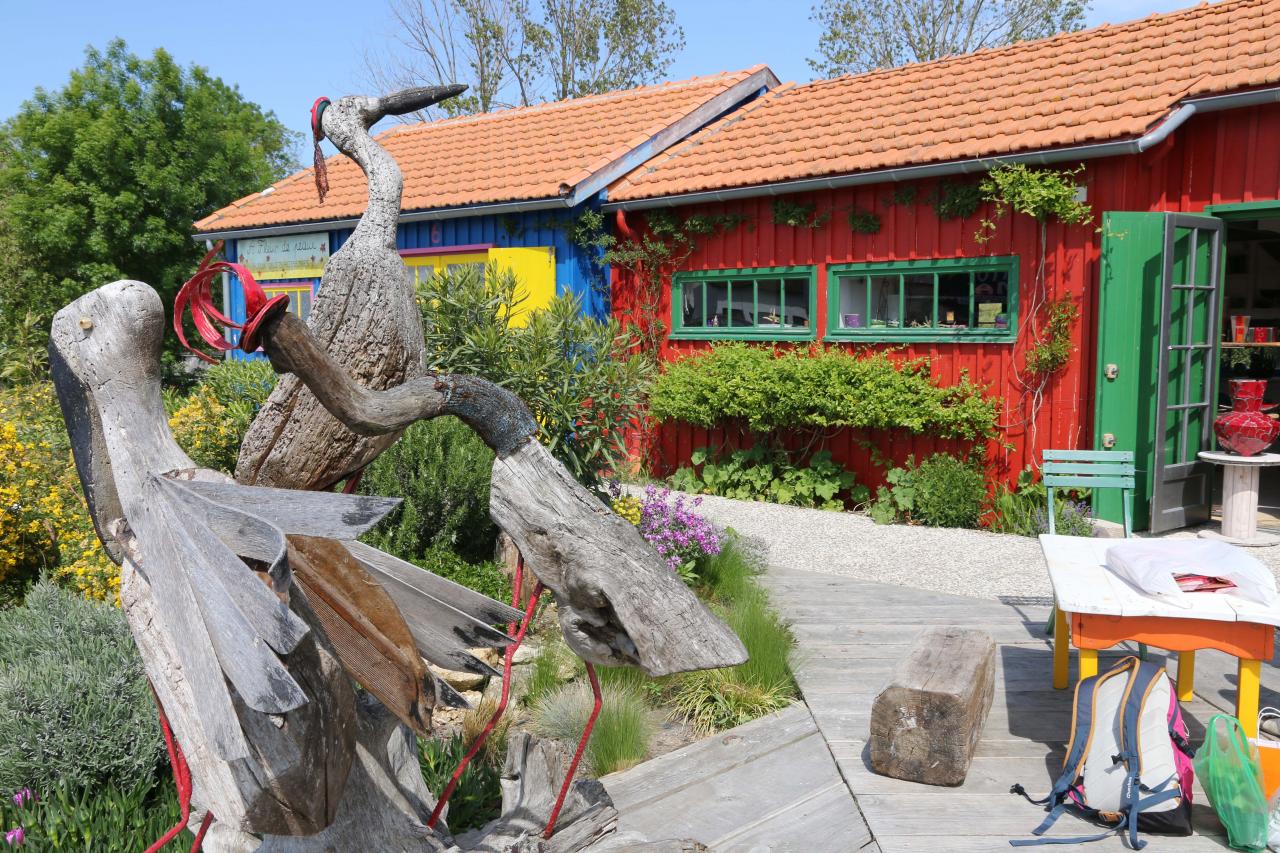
(628, 507)
(44, 520)
(209, 423)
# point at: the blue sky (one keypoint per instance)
(283, 54)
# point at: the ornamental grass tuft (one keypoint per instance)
(622, 733)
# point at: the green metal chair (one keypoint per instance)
(1090, 469)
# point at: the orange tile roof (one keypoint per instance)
(519, 154)
(1106, 83)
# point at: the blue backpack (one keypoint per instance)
(1128, 763)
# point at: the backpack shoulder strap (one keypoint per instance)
(1144, 678)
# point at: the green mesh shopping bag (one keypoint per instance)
(1231, 776)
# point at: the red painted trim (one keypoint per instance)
(447, 250)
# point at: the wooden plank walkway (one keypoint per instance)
(850, 633)
(770, 786)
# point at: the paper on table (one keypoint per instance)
(1151, 566)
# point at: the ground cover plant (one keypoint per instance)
(105, 819)
(763, 472)
(1024, 509)
(941, 491)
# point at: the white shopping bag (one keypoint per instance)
(1151, 565)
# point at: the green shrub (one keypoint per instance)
(819, 387)
(622, 732)
(583, 379)
(547, 670)
(105, 818)
(478, 797)
(941, 491)
(765, 473)
(1024, 510)
(442, 470)
(209, 423)
(75, 707)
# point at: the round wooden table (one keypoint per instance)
(1240, 476)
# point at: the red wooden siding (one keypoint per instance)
(1214, 159)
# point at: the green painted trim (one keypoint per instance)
(1242, 209)
(721, 333)
(999, 263)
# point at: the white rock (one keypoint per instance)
(460, 681)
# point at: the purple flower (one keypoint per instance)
(678, 534)
(15, 837)
(24, 797)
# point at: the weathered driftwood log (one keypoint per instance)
(365, 316)
(618, 602)
(926, 724)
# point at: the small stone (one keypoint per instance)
(473, 697)
(489, 656)
(525, 654)
(460, 681)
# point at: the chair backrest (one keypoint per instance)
(1090, 469)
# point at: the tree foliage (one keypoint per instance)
(859, 35)
(102, 179)
(517, 53)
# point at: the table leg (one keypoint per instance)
(1240, 501)
(1088, 663)
(1061, 650)
(1186, 676)
(1248, 679)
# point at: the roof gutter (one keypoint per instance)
(1153, 137)
(412, 216)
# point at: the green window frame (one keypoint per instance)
(932, 300)
(759, 304)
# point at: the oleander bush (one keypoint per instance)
(820, 387)
(75, 707)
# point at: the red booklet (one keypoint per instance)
(1202, 583)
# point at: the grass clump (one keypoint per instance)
(622, 732)
(107, 818)
(75, 707)
(547, 671)
(478, 797)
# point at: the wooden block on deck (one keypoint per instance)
(925, 725)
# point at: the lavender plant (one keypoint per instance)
(680, 536)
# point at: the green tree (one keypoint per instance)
(102, 179)
(517, 53)
(859, 35)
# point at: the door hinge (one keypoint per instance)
(1108, 440)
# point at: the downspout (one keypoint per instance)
(1153, 137)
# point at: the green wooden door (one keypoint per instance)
(1157, 360)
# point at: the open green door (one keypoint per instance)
(1159, 308)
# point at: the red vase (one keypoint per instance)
(1245, 429)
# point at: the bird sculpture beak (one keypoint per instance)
(416, 98)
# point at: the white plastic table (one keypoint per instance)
(1240, 475)
(1102, 610)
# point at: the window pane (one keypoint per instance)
(953, 300)
(919, 299)
(717, 303)
(692, 304)
(853, 302)
(991, 299)
(303, 298)
(796, 312)
(743, 294)
(769, 303)
(884, 301)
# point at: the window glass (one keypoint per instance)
(852, 295)
(991, 299)
(885, 308)
(769, 303)
(743, 296)
(692, 312)
(299, 297)
(919, 299)
(718, 304)
(953, 300)
(797, 303)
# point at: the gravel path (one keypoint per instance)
(963, 562)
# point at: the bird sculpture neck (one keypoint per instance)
(377, 227)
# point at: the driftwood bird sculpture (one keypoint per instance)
(365, 316)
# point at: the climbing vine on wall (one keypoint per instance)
(956, 200)
(1046, 195)
(864, 221)
(798, 214)
(650, 253)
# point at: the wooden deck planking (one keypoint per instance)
(850, 632)
(770, 785)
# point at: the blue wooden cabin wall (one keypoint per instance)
(575, 271)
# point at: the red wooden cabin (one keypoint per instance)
(1176, 113)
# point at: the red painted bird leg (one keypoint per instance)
(204, 827)
(577, 756)
(181, 778)
(517, 638)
